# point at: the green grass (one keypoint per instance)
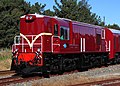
(5, 54)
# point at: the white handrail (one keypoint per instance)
(23, 44)
(52, 43)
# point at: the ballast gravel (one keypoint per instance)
(97, 74)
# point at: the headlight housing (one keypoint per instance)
(15, 53)
(38, 50)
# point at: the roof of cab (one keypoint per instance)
(37, 15)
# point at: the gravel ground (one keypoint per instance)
(5, 76)
(97, 74)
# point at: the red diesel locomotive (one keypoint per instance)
(54, 45)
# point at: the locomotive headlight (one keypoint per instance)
(15, 53)
(16, 50)
(38, 50)
(30, 17)
(27, 17)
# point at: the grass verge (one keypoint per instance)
(5, 59)
(5, 54)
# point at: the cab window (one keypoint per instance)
(55, 30)
(64, 33)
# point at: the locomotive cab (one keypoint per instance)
(61, 35)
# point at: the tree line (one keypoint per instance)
(11, 10)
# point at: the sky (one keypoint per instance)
(110, 9)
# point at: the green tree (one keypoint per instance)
(114, 26)
(76, 10)
(49, 12)
(10, 12)
(9, 21)
(37, 8)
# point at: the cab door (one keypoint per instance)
(55, 39)
(64, 39)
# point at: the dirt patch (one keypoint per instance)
(5, 64)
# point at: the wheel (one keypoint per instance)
(60, 72)
(46, 76)
(84, 69)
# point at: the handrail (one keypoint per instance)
(53, 42)
(23, 44)
(38, 43)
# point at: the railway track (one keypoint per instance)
(109, 82)
(16, 79)
(8, 79)
(19, 79)
(7, 72)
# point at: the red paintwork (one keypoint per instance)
(114, 38)
(24, 56)
(109, 37)
(82, 37)
(117, 42)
